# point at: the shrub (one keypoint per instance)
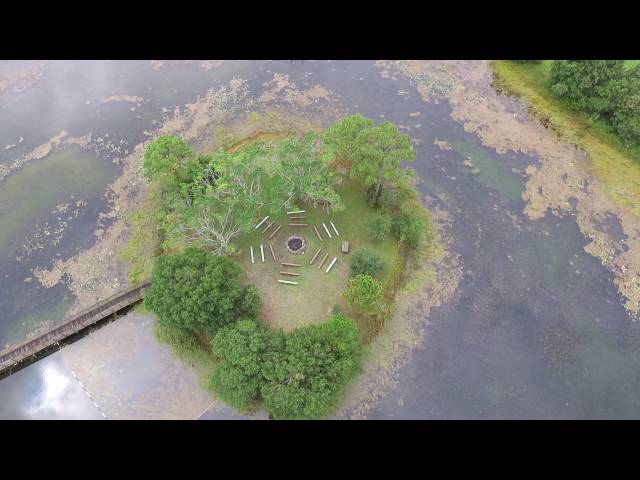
(243, 348)
(198, 291)
(367, 262)
(297, 375)
(379, 226)
(306, 379)
(409, 227)
(365, 293)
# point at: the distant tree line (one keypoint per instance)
(603, 89)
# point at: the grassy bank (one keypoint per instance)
(616, 165)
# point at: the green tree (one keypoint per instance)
(166, 160)
(303, 167)
(306, 378)
(580, 82)
(244, 349)
(409, 228)
(225, 204)
(365, 294)
(199, 292)
(342, 135)
(367, 262)
(374, 153)
(378, 226)
(378, 152)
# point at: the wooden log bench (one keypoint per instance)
(263, 220)
(293, 274)
(288, 282)
(323, 260)
(315, 255)
(267, 227)
(317, 233)
(331, 264)
(291, 264)
(273, 234)
(273, 254)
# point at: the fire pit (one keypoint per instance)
(295, 244)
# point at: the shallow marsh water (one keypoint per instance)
(536, 328)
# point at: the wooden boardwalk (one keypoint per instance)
(14, 355)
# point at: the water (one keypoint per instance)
(536, 328)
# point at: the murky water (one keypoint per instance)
(536, 328)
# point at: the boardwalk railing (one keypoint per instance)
(14, 355)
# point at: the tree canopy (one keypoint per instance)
(199, 292)
(295, 375)
(601, 88)
(303, 168)
(374, 152)
(166, 160)
(367, 262)
(343, 134)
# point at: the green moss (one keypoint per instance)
(146, 238)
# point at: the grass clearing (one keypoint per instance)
(616, 165)
(313, 300)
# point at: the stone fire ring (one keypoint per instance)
(295, 244)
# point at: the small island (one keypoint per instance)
(275, 259)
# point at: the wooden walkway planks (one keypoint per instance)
(110, 305)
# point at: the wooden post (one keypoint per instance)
(315, 255)
(291, 264)
(262, 253)
(263, 220)
(273, 254)
(317, 233)
(273, 234)
(293, 274)
(288, 282)
(252, 260)
(331, 264)
(327, 230)
(323, 259)
(334, 228)
(268, 227)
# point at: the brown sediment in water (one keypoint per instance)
(564, 172)
(41, 151)
(16, 77)
(160, 65)
(122, 98)
(281, 88)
